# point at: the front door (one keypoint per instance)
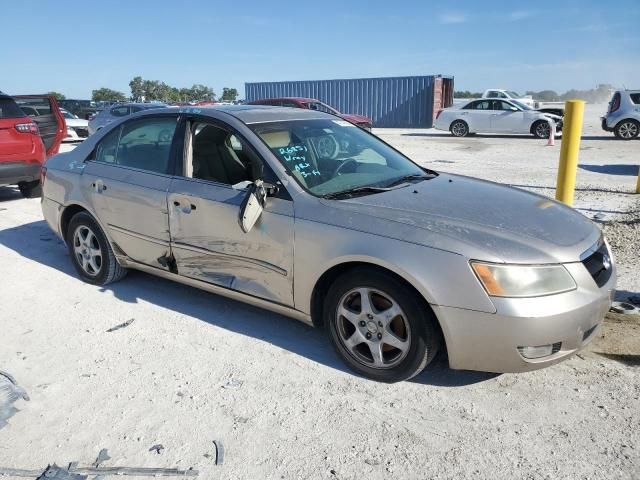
(127, 179)
(505, 119)
(204, 206)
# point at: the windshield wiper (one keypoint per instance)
(356, 190)
(408, 178)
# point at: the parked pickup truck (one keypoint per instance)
(555, 108)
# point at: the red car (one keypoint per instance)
(313, 104)
(27, 140)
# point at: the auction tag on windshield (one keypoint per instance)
(343, 123)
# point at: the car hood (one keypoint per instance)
(475, 218)
(556, 118)
(355, 118)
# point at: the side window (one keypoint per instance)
(217, 155)
(483, 105)
(505, 106)
(108, 147)
(635, 98)
(289, 104)
(143, 144)
(492, 94)
(120, 111)
(470, 106)
(135, 109)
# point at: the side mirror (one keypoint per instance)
(252, 206)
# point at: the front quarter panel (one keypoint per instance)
(441, 277)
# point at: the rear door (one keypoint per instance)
(44, 111)
(127, 177)
(477, 115)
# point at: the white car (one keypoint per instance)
(509, 95)
(77, 128)
(496, 116)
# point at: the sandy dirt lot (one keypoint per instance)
(192, 367)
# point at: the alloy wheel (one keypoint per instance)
(543, 130)
(628, 130)
(459, 129)
(373, 328)
(87, 250)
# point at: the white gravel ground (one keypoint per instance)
(193, 367)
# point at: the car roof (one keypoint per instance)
(297, 99)
(247, 113)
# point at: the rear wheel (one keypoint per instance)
(379, 327)
(541, 129)
(30, 189)
(627, 129)
(90, 251)
(459, 128)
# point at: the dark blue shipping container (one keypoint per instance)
(398, 102)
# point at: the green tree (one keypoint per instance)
(137, 91)
(57, 95)
(229, 94)
(107, 95)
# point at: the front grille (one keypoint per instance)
(599, 265)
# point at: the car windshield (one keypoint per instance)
(329, 156)
(513, 94)
(69, 115)
(521, 105)
(9, 109)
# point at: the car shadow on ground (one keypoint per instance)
(36, 242)
(612, 169)
(9, 193)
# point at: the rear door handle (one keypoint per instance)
(99, 186)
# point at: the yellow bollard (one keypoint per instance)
(569, 150)
(638, 184)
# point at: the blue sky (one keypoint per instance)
(75, 47)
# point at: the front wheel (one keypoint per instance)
(541, 129)
(459, 128)
(379, 327)
(627, 129)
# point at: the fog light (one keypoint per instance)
(539, 351)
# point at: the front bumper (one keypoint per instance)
(489, 342)
(12, 173)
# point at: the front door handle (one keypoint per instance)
(184, 207)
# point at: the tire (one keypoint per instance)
(30, 189)
(627, 129)
(541, 129)
(84, 237)
(459, 128)
(413, 328)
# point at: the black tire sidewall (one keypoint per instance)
(84, 218)
(425, 337)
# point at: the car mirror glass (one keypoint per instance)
(252, 206)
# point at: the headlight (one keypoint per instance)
(523, 280)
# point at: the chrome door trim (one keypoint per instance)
(218, 290)
(253, 261)
(157, 241)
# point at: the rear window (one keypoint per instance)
(9, 109)
(635, 98)
(35, 107)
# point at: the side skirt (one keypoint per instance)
(225, 292)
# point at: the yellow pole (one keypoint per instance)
(571, 133)
(638, 184)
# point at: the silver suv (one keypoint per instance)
(623, 116)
